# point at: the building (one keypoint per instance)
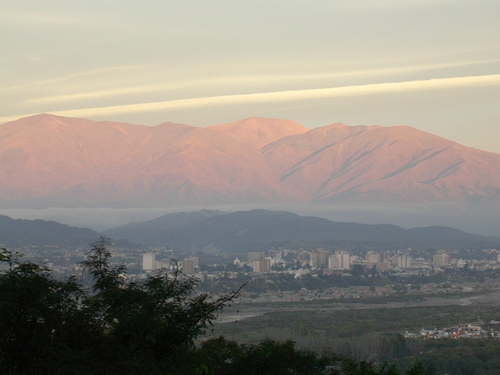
(343, 260)
(262, 265)
(187, 266)
(319, 258)
(164, 264)
(373, 257)
(441, 259)
(332, 262)
(403, 261)
(148, 262)
(252, 256)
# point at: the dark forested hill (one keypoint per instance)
(15, 232)
(260, 229)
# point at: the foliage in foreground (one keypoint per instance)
(55, 327)
(459, 357)
(58, 327)
(222, 357)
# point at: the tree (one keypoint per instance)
(34, 312)
(149, 322)
(50, 327)
(357, 270)
(219, 356)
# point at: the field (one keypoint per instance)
(330, 324)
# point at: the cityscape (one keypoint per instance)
(316, 274)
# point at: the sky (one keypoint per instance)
(430, 64)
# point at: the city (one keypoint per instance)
(282, 274)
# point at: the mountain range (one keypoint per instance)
(242, 231)
(259, 230)
(58, 161)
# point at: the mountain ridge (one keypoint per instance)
(258, 230)
(15, 232)
(67, 161)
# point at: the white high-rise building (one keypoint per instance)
(441, 259)
(148, 262)
(343, 260)
(332, 261)
(403, 261)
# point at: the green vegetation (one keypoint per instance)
(375, 334)
(59, 327)
(457, 357)
(304, 322)
(222, 357)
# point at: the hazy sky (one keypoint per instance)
(430, 64)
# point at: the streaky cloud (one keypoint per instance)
(285, 96)
(239, 80)
(76, 75)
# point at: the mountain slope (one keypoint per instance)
(79, 161)
(258, 132)
(243, 231)
(372, 163)
(17, 232)
(52, 160)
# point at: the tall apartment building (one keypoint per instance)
(373, 257)
(319, 258)
(148, 262)
(262, 265)
(441, 259)
(332, 261)
(343, 260)
(403, 261)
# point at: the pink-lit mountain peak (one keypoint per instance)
(258, 131)
(63, 160)
(383, 164)
(339, 138)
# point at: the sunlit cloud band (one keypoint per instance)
(234, 80)
(284, 96)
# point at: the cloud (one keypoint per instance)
(78, 75)
(235, 80)
(285, 96)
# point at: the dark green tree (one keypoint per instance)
(34, 313)
(219, 356)
(51, 327)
